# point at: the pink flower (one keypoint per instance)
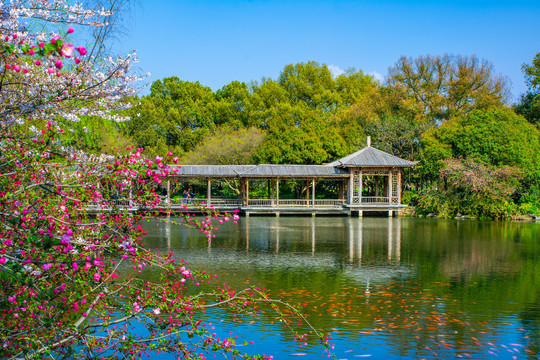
(170, 153)
(70, 30)
(67, 50)
(31, 52)
(14, 36)
(41, 44)
(157, 311)
(38, 62)
(25, 71)
(58, 63)
(77, 60)
(97, 276)
(175, 159)
(8, 66)
(51, 70)
(82, 50)
(53, 40)
(3, 260)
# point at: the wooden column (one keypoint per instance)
(273, 184)
(168, 191)
(277, 192)
(350, 189)
(340, 190)
(247, 192)
(268, 186)
(307, 191)
(376, 178)
(390, 186)
(399, 186)
(208, 191)
(361, 184)
(313, 192)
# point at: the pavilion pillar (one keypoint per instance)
(169, 191)
(273, 184)
(399, 186)
(340, 190)
(313, 192)
(350, 188)
(208, 191)
(360, 185)
(277, 192)
(247, 192)
(376, 178)
(390, 187)
(307, 192)
(268, 186)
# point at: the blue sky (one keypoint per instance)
(216, 42)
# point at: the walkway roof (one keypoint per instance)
(263, 170)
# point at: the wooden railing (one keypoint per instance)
(237, 203)
(375, 200)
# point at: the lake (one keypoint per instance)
(398, 288)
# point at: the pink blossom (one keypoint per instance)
(38, 62)
(51, 70)
(31, 52)
(58, 63)
(77, 60)
(67, 50)
(157, 311)
(97, 276)
(82, 50)
(53, 40)
(70, 30)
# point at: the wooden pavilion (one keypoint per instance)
(367, 180)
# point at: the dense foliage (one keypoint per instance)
(431, 108)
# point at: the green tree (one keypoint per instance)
(496, 136)
(175, 116)
(472, 188)
(529, 105)
(226, 147)
(446, 86)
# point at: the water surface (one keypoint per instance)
(384, 288)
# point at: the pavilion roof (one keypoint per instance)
(371, 157)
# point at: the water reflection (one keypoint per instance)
(459, 289)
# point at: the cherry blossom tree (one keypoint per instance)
(70, 251)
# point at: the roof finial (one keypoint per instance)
(368, 141)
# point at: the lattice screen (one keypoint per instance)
(395, 189)
(357, 187)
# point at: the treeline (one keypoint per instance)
(479, 155)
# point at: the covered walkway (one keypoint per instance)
(367, 180)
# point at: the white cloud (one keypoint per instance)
(335, 70)
(376, 76)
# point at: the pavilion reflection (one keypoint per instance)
(362, 237)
